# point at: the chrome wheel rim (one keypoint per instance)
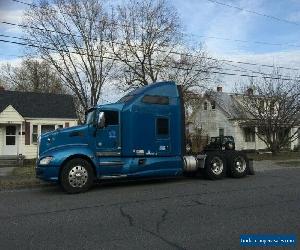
(217, 165)
(240, 164)
(78, 176)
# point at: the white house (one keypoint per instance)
(223, 115)
(26, 115)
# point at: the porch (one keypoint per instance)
(11, 161)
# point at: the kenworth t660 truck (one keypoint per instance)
(141, 135)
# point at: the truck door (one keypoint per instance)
(108, 137)
(107, 141)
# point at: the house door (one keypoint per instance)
(10, 146)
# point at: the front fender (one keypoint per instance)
(61, 153)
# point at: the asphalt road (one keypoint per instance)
(169, 214)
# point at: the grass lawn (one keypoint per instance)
(282, 156)
(20, 177)
(26, 171)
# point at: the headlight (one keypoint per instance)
(46, 160)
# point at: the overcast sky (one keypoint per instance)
(203, 19)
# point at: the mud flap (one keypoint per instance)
(251, 168)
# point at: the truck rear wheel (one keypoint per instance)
(76, 176)
(215, 166)
(238, 165)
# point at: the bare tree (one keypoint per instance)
(148, 41)
(72, 36)
(272, 106)
(193, 69)
(144, 33)
(32, 75)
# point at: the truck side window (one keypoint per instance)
(156, 99)
(111, 118)
(162, 126)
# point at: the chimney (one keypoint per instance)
(219, 89)
(2, 88)
(249, 91)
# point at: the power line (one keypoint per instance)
(214, 67)
(248, 41)
(253, 64)
(31, 5)
(208, 37)
(169, 66)
(172, 52)
(160, 50)
(254, 12)
(241, 69)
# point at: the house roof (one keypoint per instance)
(39, 105)
(229, 104)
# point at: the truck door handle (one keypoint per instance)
(141, 161)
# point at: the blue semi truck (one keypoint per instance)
(141, 135)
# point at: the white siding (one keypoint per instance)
(30, 151)
(2, 132)
(241, 144)
(212, 120)
(10, 115)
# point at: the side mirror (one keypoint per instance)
(101, 120)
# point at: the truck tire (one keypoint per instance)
(215, 166)
(77, 176)
(238, 164)
(229, 145)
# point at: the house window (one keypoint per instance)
(47, 128)
(11, 135)
(34, 134)
(60, 126)
(272, 107)
(162, 126)
(213, 105)
(205, 106)
(249, 134)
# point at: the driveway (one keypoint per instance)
(170, 214)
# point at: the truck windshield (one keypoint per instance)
(90, 116)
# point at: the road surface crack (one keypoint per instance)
(170, 243)
(162, 220)
(127, 216)
(131, 223)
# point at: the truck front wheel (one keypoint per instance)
(76, 176)
(215, 166)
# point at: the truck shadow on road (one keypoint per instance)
(110, 184)
(114, 184)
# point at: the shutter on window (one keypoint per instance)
(27, 133)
